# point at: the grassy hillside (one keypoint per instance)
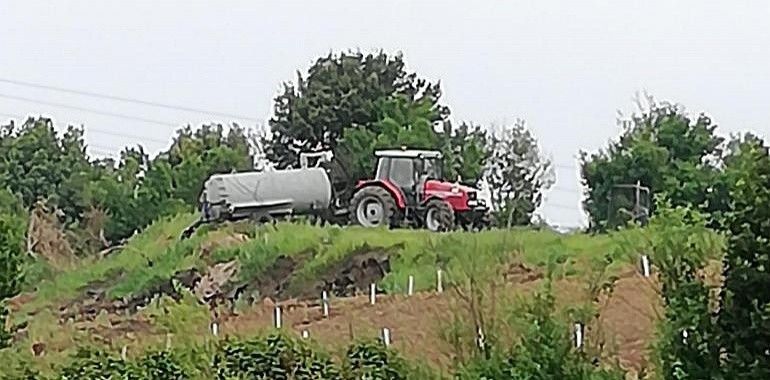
(157, 253)
(152, 257)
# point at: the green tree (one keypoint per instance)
(12, 253)
(517, 173)
(40, 164)
(340, 92)
(467, 150)
(680, 245)
(744, 311)
(401, 122)
(137, 190)
(665, 150)
(37, 163)
(353, 103)
(115, 190)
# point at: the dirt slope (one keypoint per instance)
(416, 323)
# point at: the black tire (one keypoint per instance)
(377, 195)
(439, 216)
(485, 222)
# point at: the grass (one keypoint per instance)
(157, 253)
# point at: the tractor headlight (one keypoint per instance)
(472, 195)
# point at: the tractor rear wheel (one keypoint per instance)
(372, 206)
(439, 216)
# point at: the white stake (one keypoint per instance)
(645, 266)
(439, 283)
(410, 288)
(305, 334)
(215, 328)
(325, 303)
(372, 293)
(578, 335)
(278, 317)
(168, 341)
(386, 336)
(124, 353)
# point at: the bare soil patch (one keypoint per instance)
(352, 276)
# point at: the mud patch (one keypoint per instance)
(274, 282)
(518, 273)
(93, 301)
(353, 275)
(117, 329)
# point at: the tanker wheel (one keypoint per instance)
(372, 206)
(439, 216)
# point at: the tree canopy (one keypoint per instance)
(40, 164)
(663, 149)
(353, 103)
(341, 92)
(12, 253)
(517, 173)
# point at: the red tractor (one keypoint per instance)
(408, 188)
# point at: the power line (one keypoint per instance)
(125, 135)
(126, 99)
(104, 132)
(7, 115)
(98, 112)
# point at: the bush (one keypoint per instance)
(371, 360)
(276, 357)
(90, 363)
(544, 351)
(161, 365)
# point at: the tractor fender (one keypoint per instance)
(394, 190)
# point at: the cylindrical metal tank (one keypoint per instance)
(297, 191)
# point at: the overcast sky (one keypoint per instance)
(565, 67)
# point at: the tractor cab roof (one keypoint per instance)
(410, 153)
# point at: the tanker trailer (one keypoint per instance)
(264, 195)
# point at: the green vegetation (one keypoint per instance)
(156, 254)
(663, 149)
(273, 357)
(12, 225)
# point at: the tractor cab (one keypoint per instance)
(409, 170)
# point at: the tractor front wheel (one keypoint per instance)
(372, 206)
(439, 216)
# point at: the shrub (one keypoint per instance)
(275, 357)
(372, 360)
